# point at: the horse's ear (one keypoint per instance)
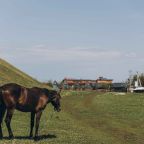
(57, 87)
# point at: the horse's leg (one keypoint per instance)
(38, 116)
(32, 123)
(2, 112)
(8, 120)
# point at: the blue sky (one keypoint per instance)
(77, 39)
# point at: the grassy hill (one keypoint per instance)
(9, 73)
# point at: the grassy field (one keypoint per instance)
(115, 118)
(86, 118)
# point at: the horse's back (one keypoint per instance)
(22, 98)
(10, 85)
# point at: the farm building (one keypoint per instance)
(103, 83)
(68, 83)
(103, 80)
(82, 84)
(119, 87)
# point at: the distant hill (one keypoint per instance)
(9, 73)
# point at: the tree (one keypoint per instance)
(134, 78)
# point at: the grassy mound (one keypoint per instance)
(9, 73)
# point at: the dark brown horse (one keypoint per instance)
(34, 100)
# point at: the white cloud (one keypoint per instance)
(131, 55)
(67, 54)
(43, 53)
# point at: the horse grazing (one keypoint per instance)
(34, 100)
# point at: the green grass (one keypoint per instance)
(9, 73)
(116, 119)
(86, 118)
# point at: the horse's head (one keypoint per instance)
(54, 99)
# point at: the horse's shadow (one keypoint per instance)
(41, 137)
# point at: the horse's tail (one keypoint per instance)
(2, 107)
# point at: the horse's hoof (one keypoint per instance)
(30, 137)
(36, 138)
(1, 136)
(11, 137)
